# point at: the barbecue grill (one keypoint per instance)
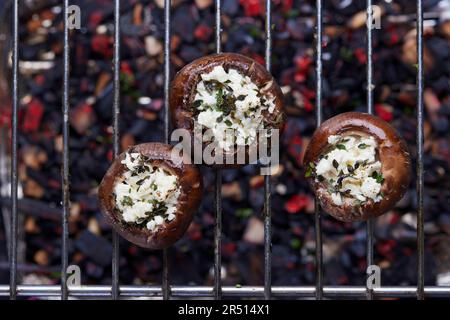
(217, 291)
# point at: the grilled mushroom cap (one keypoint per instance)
(189, 181)
(392, 152)
(184, 85)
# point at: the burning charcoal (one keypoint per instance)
(252, 7)
(257, 197)
(359, 19)
(297, 203)
(147, 115)
(441, 124)
(445, 28)
(256, 182)
(358, 248)
(33, 116)
(41, 258)
(96, 248)
(336, 273)
(94, 227)
(405, 201)
(189, 53)
(230, 7)
(410, 53)
(296, 29)
(203, 4)
(82, 118)
(103, 224)
(232, 190)
(345, 259)
(203, 32)
(31, 226)
(254, 232)
(33, 189)
(93, 270)
(153, 46)
(183, 24)
(160, 3)
(126, 141)
(103, 79)
(441, 85)
(33, 157)
(230, 175)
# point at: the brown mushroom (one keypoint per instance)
(184, 110)
(189, 182)
(389, 151)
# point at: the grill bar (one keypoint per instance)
(14, 145)
(420, 186)
(116, 137)
(227, 291)
(318, 213)
(167, 4)
(65, 155)
(218, 235)
(370, 87)
(218, 26)
(267, 202)
(218, 186)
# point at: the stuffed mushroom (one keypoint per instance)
(357, 165)
(149, 195)
(231, 97)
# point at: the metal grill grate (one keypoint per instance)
(217, 291)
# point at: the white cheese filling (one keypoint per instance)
(146, 195)
(231, 106)
(351, 169)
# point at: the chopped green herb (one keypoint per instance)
(335, 164)
(340, 146)
(340, 179)
(228, 123)
(378, 176)
(228, 105)
(219, 97)
(308, 172)
(197, 104)
(127, 201)
(362, 146)
(140, 182)
(212, 85)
